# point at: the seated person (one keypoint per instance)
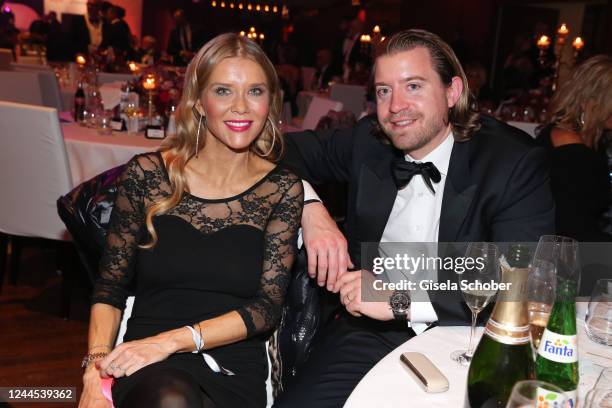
(206, 228)
(579, 112)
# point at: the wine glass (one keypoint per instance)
(533, 393)
(562, 252)
(599, 315)
(541, 285)
(477, 298)
(598, 398)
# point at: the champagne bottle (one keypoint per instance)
(504, 354)
(557, 359)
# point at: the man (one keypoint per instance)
(478, 180)
(118, 34)
(86, 31)
(351, 49)
(181, 44)
(325, 71)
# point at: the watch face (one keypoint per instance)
(400, 302)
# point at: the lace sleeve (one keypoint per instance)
(263, 313)
(116, 264)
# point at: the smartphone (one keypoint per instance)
(425, 372)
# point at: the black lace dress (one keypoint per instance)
(212, 257)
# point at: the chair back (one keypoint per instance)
(317, 109)
(50, 90)
(34, 171)
(307, 77)
(353, 97)
(20, 67)
(32, 59)
(108, 77)
(6, 57)
(21, 87)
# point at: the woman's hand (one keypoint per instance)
(92, 396)
(129, 357)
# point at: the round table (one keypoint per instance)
(90, 153)
(389, 384)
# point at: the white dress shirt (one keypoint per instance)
(415, 217)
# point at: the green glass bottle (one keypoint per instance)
(504, 354)
(557, 359)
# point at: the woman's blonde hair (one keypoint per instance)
(463, 118)
(583, 103)
(181, 148)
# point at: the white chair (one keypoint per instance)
(353, 97)
(6, 57)
(108, 77)
(307, 77)
(34, 172)
(17, 66)
(317, 109)
(32, 59)
(34, 88)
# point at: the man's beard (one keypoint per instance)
(414, 138)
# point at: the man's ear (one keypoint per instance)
(454, 90)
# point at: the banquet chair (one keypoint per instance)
(6, 57)
(307, 77)
(17, 66)
(318, 108)
(353, 97)
(34, 88)
(34, 170)
(86, 212)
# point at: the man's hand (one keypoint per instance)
(328, 257)
(354, 287)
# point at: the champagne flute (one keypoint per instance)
(562, 252)
(541, 286)
(478, 298)
(533, 393)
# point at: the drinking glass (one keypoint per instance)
(478, 298)
(562, 252)
(533, 393)
(598, 398)
(605, 379)
(599, 314)
(541, 286)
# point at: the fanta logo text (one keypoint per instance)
(558, 348)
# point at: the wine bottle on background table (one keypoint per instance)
(557, 359)
(504, 354)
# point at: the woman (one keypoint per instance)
(206, 230)
(578, 114)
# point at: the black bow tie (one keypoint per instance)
(404, 170)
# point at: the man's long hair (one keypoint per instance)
(463, 116)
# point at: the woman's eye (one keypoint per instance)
(257, 91)
(221, 91)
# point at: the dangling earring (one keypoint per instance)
(197, 148)
(582, 119)
(273, 138)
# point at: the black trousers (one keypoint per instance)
(346, 350)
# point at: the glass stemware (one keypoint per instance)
(541, 286)
(476, 298)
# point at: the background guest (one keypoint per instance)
(289, 74)
(86, 31)
(181, 44)
(579, 113)
(118, 34)
(325, 72)
(9, 34)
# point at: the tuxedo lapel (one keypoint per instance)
(375, 198)
(459, 191)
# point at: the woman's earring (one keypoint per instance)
(582, 119)
(273, 138)
(197, 148)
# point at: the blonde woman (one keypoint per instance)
(205, 229)
(579, 112)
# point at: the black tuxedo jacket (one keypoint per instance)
(497, 187)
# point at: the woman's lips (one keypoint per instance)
(238, 125)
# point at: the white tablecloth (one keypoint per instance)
(388, 384)
(90, 153)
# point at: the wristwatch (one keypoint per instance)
(400, 305)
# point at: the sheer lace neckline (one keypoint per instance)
(216, 200)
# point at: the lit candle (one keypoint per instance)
(80, 59)
(258, 7)
(133, 67)
(249, 7)
(242, 33)
(214, 4)
(275, 9)
(578, 44)
(149, 82)
(543, 42)
(231, 5)
(252, 29)
(563, 31)
(376, 29)
(262, 37)
(222, 4)
(267, 8)
(240, 6)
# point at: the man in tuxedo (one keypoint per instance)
(325, 70)
(88, 30)
(181, 44)
(427, 168)
(118, 34)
